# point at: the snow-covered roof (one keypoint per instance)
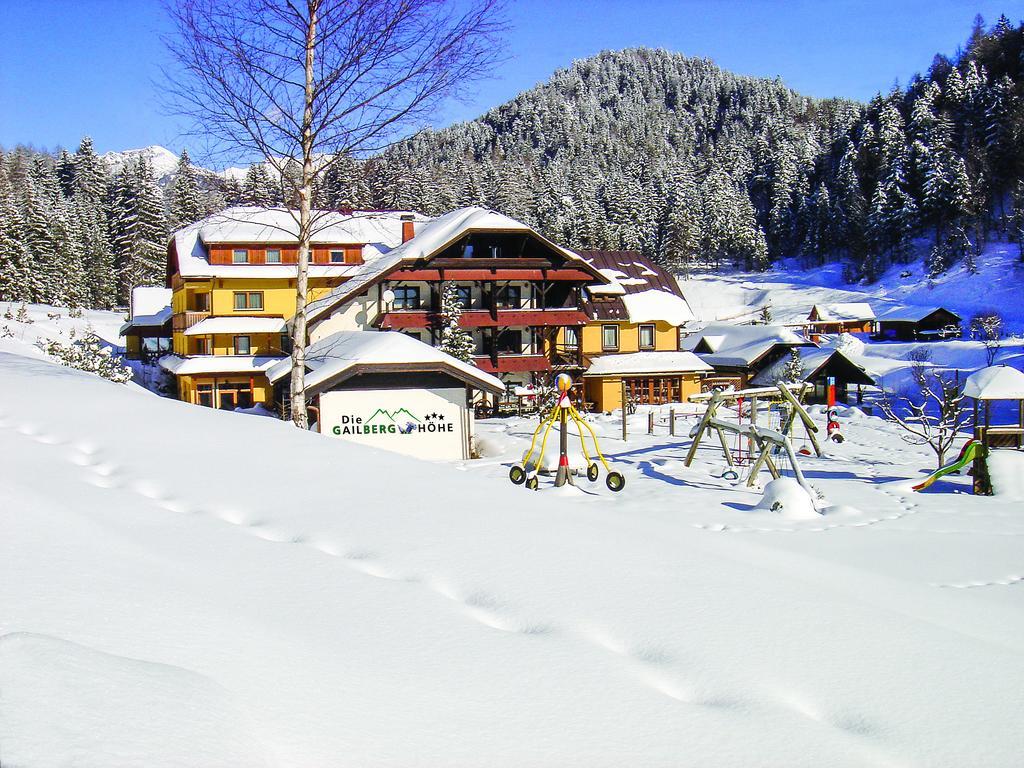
(237, 325)
(217, 364)
(150, 307)
(334, 355)
(811, 362)
(646, 363)
(908, 313)
(997, 382)
(741, 345)
(431, 237)
(245, 224)
(654, 305)
(252, 224)
(858, 310)
(639, 290)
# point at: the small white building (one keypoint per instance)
(389, 390)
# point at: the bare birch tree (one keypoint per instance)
(934, 415)
(315, 82)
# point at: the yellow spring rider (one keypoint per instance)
(562, 412)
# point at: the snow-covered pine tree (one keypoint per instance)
(452, 338)
(793, 371)
(258, 188)
(186, 202)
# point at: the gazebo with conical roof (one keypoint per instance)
(997, 382)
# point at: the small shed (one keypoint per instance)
(818, 366)
(844, 317)
(389, 390)
(649, 378)
(148, 331)
(997, 382)
(911, 323)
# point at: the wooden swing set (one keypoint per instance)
(765, 442)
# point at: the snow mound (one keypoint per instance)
(785, 496)
(1006, 471)
(66, 704)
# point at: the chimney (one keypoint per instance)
(408, 228)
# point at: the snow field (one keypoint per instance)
(263, 596)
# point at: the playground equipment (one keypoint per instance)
(563, 412)
(766, 443)
(972, 450)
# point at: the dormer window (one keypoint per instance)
(240, 256)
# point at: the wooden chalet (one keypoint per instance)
(909, 323)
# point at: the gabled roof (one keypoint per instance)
(432, 237)
(997, 382)
(813, 363)
(646, 364)
(740, 346)
(377, 231)
(906, 313)
(857, 310)
(345, 353)
(639, 291)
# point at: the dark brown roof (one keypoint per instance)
(636, 267)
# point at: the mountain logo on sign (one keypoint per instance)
(399, 418)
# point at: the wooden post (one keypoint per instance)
(624, 415)
(672, 422)
(650, 422)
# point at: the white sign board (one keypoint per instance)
(425, 423)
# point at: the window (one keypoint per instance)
(572, 337)
(242, 345)
(337, 257)
(204, 395)
(273, 256)
(202, 346)
(286, 344)
(240, 256)
(646, 337)
(248, 300)
(200, 302)
(509, 297)
(414, 334)
(509, 343)
(609, 337)
(465, 296)
(406, 297)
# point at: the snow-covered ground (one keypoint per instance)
(188, 587)
(790, 291)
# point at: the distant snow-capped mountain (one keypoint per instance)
(164, 163)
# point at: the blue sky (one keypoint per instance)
(75, 67)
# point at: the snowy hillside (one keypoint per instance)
(789, 291)
(187, 587)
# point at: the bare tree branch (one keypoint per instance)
(310, 84)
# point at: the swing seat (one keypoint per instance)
(804, 451)
(730, 474)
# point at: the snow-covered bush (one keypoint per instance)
(88, 354)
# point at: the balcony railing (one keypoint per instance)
(182, 321)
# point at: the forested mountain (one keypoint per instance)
(653, 150)
(638, 149)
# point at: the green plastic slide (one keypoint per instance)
(968, 453)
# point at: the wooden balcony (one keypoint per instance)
(482, 318)
(182, 321)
